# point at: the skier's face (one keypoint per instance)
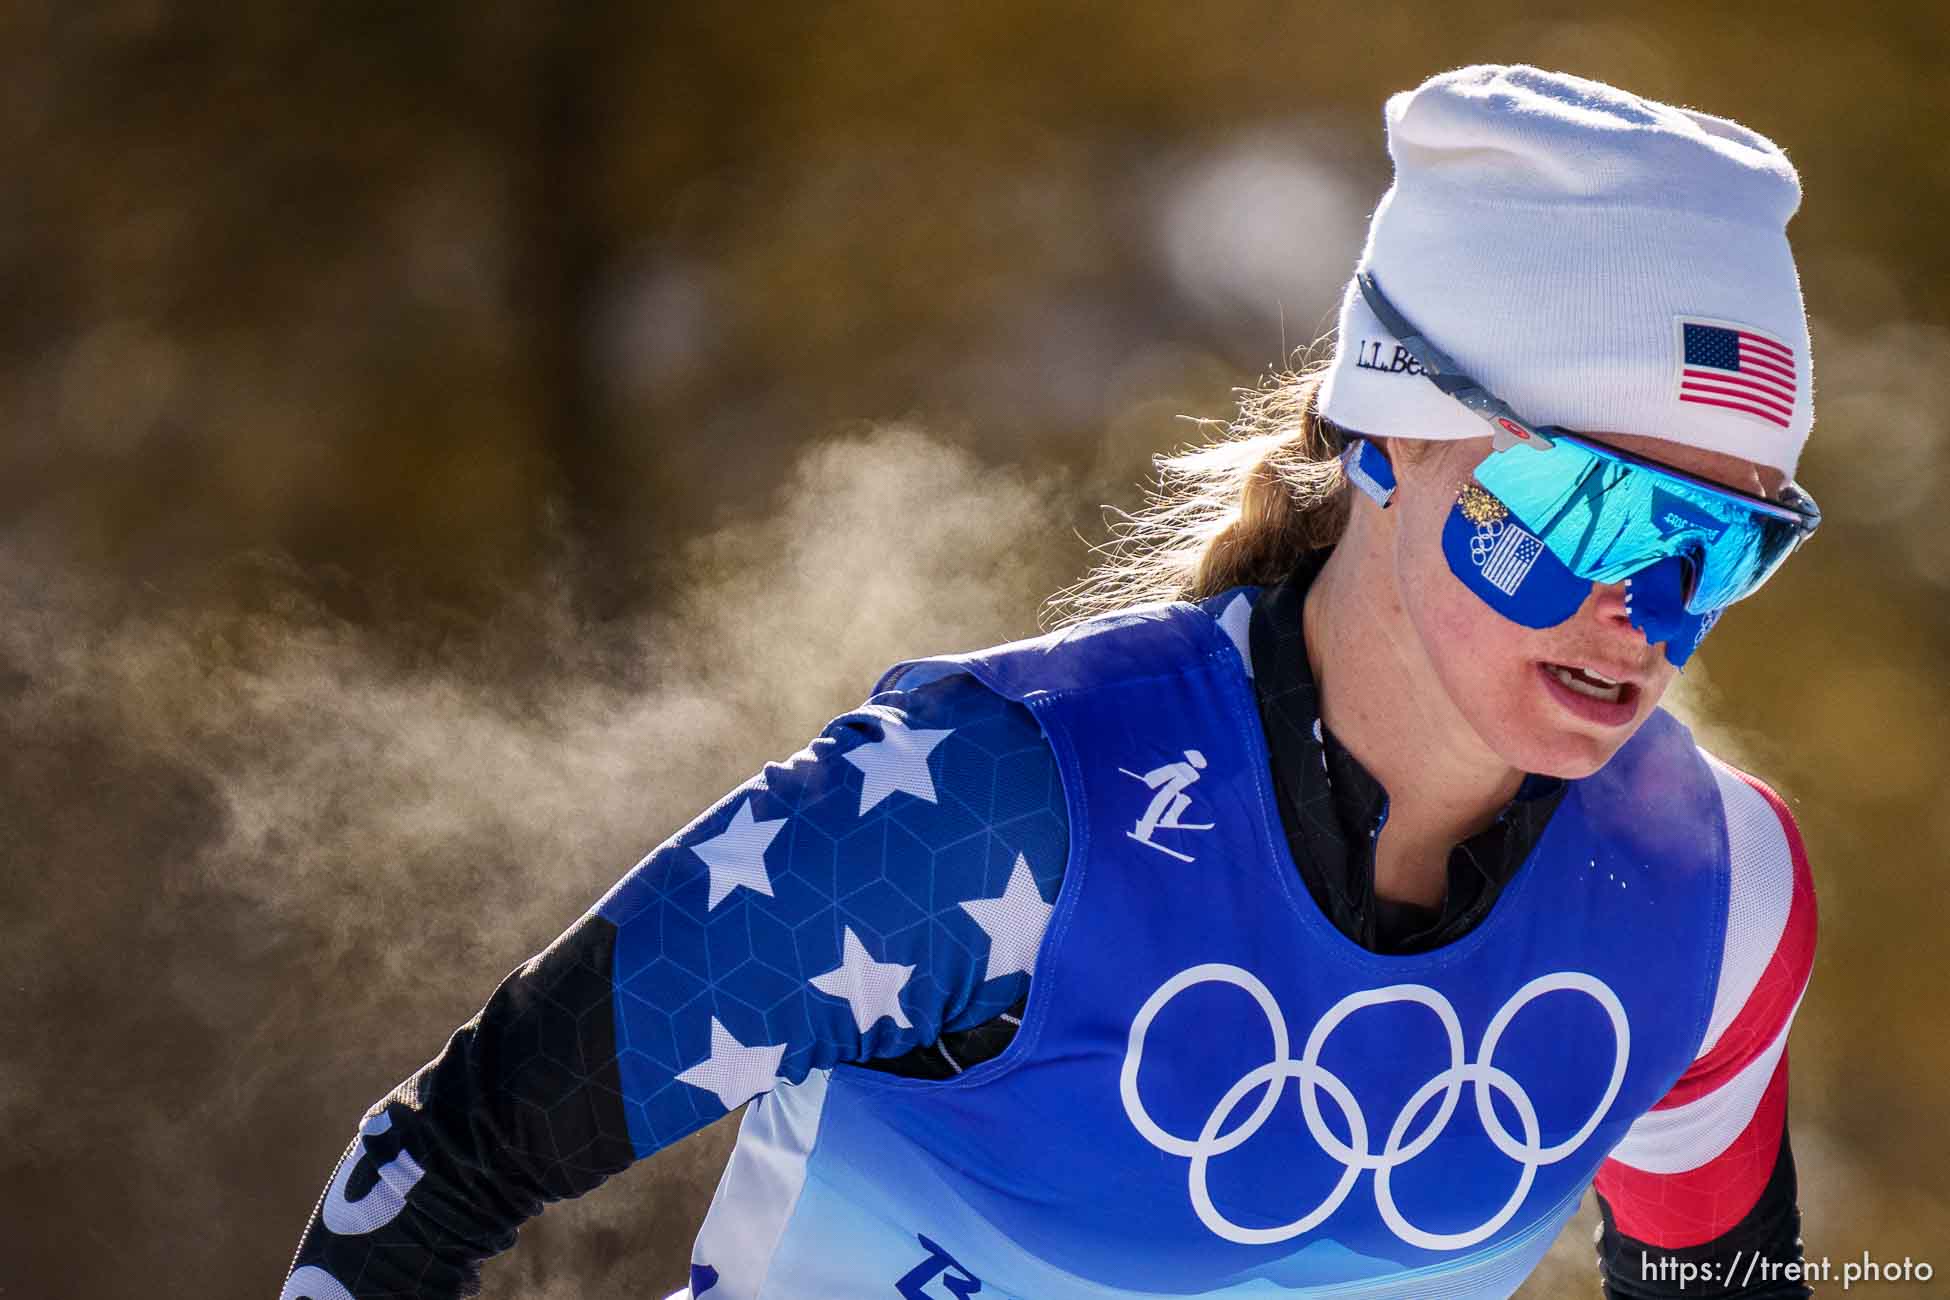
(1538, 697)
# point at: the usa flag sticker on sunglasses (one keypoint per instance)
(1736, 367)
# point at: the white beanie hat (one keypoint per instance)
(1599, 261)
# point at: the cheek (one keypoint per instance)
(1471, 647)
(1663, 675)
(1452, 617)
(1474, 649)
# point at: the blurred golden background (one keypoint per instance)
(447, 446)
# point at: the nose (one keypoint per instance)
(1609, 604)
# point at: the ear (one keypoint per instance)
(1368, 468)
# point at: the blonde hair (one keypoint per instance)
(1240, 508)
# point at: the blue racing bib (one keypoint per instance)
(1213, 1091)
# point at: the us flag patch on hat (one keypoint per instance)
(1737, 367)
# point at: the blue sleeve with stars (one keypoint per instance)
(833, 908)
(882, 886)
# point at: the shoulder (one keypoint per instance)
(1766, 855)
(1771, 914)
(1685, 806)
(954, 699)
(1118, 646)
(917, 725)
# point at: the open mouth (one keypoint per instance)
(1586, 682)
(1590, 694)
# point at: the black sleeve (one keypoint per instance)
(1743, 1263)
(523, 1107)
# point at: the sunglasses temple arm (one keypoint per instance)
(1439, 370)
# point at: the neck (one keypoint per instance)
(1381, 698)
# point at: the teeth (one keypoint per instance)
(1588, 683)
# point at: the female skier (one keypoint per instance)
(1324, 909)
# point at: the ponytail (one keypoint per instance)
(1242, 508)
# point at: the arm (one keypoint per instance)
(812, 916)
(1706, 1178)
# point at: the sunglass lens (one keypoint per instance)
(1607, 517)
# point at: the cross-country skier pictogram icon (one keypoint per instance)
(1169, 804)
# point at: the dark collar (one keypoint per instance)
(1332, 808)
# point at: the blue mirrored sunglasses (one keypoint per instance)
(1608, 514)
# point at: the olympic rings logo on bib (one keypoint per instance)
(1357, 1154)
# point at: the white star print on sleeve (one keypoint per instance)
(737, 855)
(897, 761)
(871, 988)
(1237, 621)
(1014, 922)
(735, 1072)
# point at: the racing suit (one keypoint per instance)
(879, 898)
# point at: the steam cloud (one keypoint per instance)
(261, 860)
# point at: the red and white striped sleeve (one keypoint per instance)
(1691, 1167)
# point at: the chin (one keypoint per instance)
(1570, 757)
(1554, 746)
